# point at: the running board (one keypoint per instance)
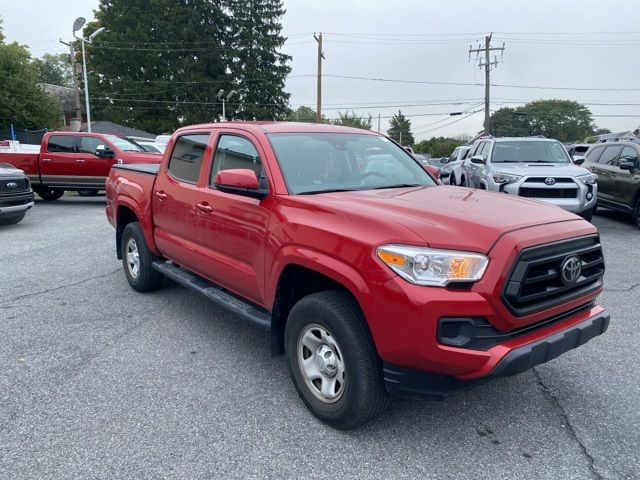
(214, 293)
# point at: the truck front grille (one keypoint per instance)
(548, 192)
(537, 281)
(7, 186)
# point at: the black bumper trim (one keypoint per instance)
(405, 382)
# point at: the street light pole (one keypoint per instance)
(77, 25)
(224, 101)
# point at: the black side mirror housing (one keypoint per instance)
(627, 166)
(478, 159)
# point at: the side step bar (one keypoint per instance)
(214, 293)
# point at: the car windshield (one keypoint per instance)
(531, 151)
(124, 144)
(329, 162)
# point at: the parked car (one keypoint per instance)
(451, 172)
(578, 150)
(75, 161)
(618, 170)
(532, 167)
(370, 280)
(151, 147)
(16, 196)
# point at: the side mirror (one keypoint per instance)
(478, 159)
(434, 171)
(627, 166)
(578, 159)
(242, 181)
(102, 151)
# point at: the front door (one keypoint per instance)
(174, 200)
(91, 169)
(628, 181)
(58, 161)
(606, 169)
(232, 228)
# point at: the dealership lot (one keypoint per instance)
(99, 381)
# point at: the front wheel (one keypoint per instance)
(332, 360)
(87, 193)
(49, 194)
(637, 213)
(137, 260)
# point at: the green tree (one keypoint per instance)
(352, 119)
(22, 102)
(160, 64)
(509, 122)
(400, 129)
(304, 114)
(258, 67)
(438, 146)
(55, 69)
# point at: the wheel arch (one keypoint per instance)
(127, 212)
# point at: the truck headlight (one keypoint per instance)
(436, 268)
(589, 179)
(505, 178)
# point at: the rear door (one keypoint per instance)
(232, 228)
(607, 168)
(627, 182)
(58, 161)
(90, 167)
(174, 199)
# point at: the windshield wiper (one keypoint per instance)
(398, 185)
(328, 190)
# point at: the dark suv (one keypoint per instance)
(16, 196)
(618, 170)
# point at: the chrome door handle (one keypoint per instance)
(161, 195)
(204, 207)
(46, 160)
(79, 161)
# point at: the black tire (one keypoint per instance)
(12, 219)
(463, 181)
(636, 213)
(587, 214)
(144, 278)
(363, 395)
(49, 194)
(87, 193)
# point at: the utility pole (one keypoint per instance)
(487, 63)
(76, 87)
(319, 93)
(378, 123)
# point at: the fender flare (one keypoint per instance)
(144, 220)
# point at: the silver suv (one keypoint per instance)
(532, 167)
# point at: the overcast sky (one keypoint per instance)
(589, 47)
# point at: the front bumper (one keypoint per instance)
(407, 382)
(10, 204)
(578, 204)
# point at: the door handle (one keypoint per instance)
(79, 160)
(161, 195)
(46, 160)
(204, 207)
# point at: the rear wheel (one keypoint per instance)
(332, 360)
(463, 181)
(49, 194)
(636, 213)
(137, 260)
(12, 219)
(88, 193)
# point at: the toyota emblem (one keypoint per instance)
(550, 181)
(571, 270)
(12, 185)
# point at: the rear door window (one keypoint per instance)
(609, 155)
(61, 144)
(187, 157)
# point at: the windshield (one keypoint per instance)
(533, 151)
(324, 162)
(124, 144)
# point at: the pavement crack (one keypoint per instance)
(570, 429)
(628, 289)
(59, 287)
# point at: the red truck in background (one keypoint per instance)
(75, 161)
(370, 277)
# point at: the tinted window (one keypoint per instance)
(594, 154)
(186, 158)
(529, 151)
(629, 154)
(234, 153)
(609, 155)
(485, 150)
(60, 143)
(89, 144)
(477, 149)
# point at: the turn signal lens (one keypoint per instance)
(427, 266)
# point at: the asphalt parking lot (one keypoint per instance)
(98, 381)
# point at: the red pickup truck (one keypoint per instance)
(371, 278)
(75, 161)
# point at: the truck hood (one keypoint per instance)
(7, 170)
(448, 217)
(139, 157)
(539, 170)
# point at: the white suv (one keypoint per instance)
(451, 172)
(532, 167)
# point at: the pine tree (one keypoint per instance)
(258, 67)
(400, 129)
(160, 64)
